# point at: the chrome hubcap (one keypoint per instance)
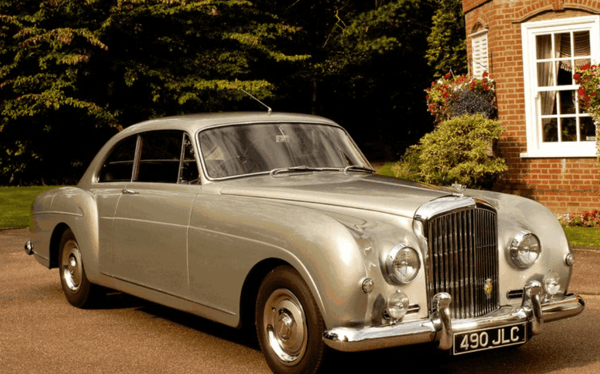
(72, 268)
(285, 326)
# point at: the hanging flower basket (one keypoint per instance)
(588, 78)
(453, 96)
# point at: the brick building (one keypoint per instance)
(530, 48)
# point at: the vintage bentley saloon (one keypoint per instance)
(278, 220)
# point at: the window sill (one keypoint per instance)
(542, 154)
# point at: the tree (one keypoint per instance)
(367, 62)
(73, 69)
(447, 49)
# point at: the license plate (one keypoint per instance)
(495, 337)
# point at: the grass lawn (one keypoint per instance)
(15, 205)
(583, 236)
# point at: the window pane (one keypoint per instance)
(545, 74)
(118, 167)
(562, 44)
(569, 129)
(548, 99)
(549, 130)
(189, 168)
(565, 73)
(583, 61)
(567, 102)
(588, 130)
(160, 154)
(543, 46)
(582, 43)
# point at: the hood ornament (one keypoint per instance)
(460, 188)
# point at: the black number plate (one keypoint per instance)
(496, 337)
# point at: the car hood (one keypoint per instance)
(372, 192)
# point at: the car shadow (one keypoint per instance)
(119, 300)
(540, 355)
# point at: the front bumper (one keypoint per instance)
(440, 327)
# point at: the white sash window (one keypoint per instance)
(556, 125)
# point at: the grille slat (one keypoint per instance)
(463, 259)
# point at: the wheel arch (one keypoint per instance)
(55, 239)
(251, 287)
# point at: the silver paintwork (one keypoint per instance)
(196, 246)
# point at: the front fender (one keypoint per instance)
(229, 236)
(517, 213)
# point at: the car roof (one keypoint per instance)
(196, 122)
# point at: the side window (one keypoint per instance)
(189, 167)
(160, 152)
(118, 166)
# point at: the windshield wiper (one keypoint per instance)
(301, 168)
(358, 168)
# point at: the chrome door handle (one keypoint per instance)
(125, 191)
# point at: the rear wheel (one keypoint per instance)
(289, 324)
(77, 288)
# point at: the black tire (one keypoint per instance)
(77, 288)
(287, 312)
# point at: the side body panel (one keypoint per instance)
(150, 236)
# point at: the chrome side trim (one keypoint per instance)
(440, 328)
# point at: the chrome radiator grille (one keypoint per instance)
(463, 260)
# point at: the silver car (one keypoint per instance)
(278, 220)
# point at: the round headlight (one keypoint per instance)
(397, 305)
(525, 249)
(402, 264)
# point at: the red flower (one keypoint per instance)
(485, 74)
(577, 77)
(448, 75)
(581, 91)
(585, 67)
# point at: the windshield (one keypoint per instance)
(261, 148)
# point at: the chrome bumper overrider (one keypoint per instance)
(440, 327)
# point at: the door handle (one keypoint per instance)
(125, 191)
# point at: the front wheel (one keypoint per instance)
(289, 324)
(77, 288)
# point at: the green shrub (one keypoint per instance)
(457, 151)
(408, 167)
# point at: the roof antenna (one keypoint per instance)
(252, 96)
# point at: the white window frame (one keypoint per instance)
(529, 31)
(480, 52)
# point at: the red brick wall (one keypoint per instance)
(565, 185)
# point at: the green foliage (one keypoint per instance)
(73, 69)
(447, 40)
(457, 151)
(370, 64)
(84, 69)
(588, 78)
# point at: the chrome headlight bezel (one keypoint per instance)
(525, 249)
(402, 256)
